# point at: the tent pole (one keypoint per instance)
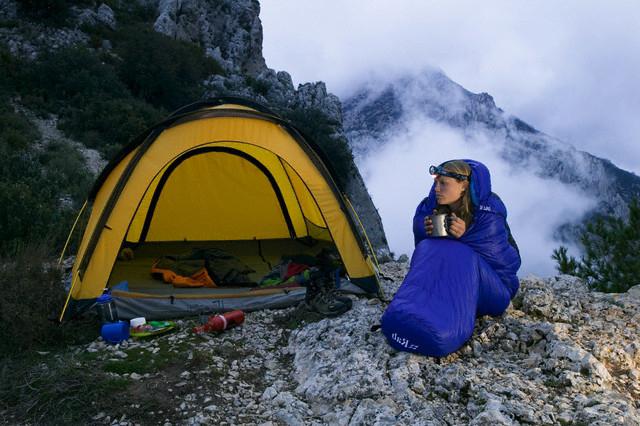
(373, 253)
(66, 303)
(71, 232)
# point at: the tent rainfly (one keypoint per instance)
(224, 174)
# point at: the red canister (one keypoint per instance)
(221, 322)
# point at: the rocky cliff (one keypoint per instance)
(229, 32)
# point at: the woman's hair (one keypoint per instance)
(465, 211)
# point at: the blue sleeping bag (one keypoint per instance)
(451, 281)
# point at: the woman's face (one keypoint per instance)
(449, 190)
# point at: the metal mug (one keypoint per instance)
(440, 224)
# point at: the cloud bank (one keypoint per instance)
(398, 180)
(568, 68)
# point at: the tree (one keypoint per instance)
(610, 260)
(566, 264)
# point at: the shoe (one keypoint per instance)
(344, 299)
(321, 295)
(326, 304)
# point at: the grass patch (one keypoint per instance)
(139, 361)
(143, 361)
(56, 390)
(67, 387)
(88, 357)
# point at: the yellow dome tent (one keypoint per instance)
(225, 174)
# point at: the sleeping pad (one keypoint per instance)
(451, 281)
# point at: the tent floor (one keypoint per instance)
(258, 255)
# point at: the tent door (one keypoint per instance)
(207, 187)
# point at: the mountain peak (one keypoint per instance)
(376, 113)
(486, 99)
(377, 107)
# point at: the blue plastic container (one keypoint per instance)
(115, 332)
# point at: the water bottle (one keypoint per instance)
(106, 307)
(221, 322)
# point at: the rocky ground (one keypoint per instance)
(560, 355)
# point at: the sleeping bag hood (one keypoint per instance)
(481, 197)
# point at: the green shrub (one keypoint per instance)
(72, 76)
(33, 181)
(315, 125)
(162, 71)
(32, 297)
(51, 11)
(64, 168)
(106, 101)
(10, 69)
(94, 106)
(15, 130)
(30, 206)
(565, 264)
(261, 87)
(109, 124)
(22, 213)
(610, 245)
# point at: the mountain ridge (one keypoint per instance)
(371, 115)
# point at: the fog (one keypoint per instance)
(568, 68)
(398, 179)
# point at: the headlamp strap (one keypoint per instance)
(439, 170)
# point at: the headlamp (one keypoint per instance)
(439, 170)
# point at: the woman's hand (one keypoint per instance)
(457, 227)
(428, 225)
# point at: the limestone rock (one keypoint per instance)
(230, 31)
(106, 16)
(315, 96)
(103, 15)
(526, 367)
(8, 10)
(27, 40)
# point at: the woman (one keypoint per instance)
(453, 279)
(451, 187)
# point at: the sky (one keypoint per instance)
(568, 68)
(571, 68)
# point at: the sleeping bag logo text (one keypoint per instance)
(403, 341)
